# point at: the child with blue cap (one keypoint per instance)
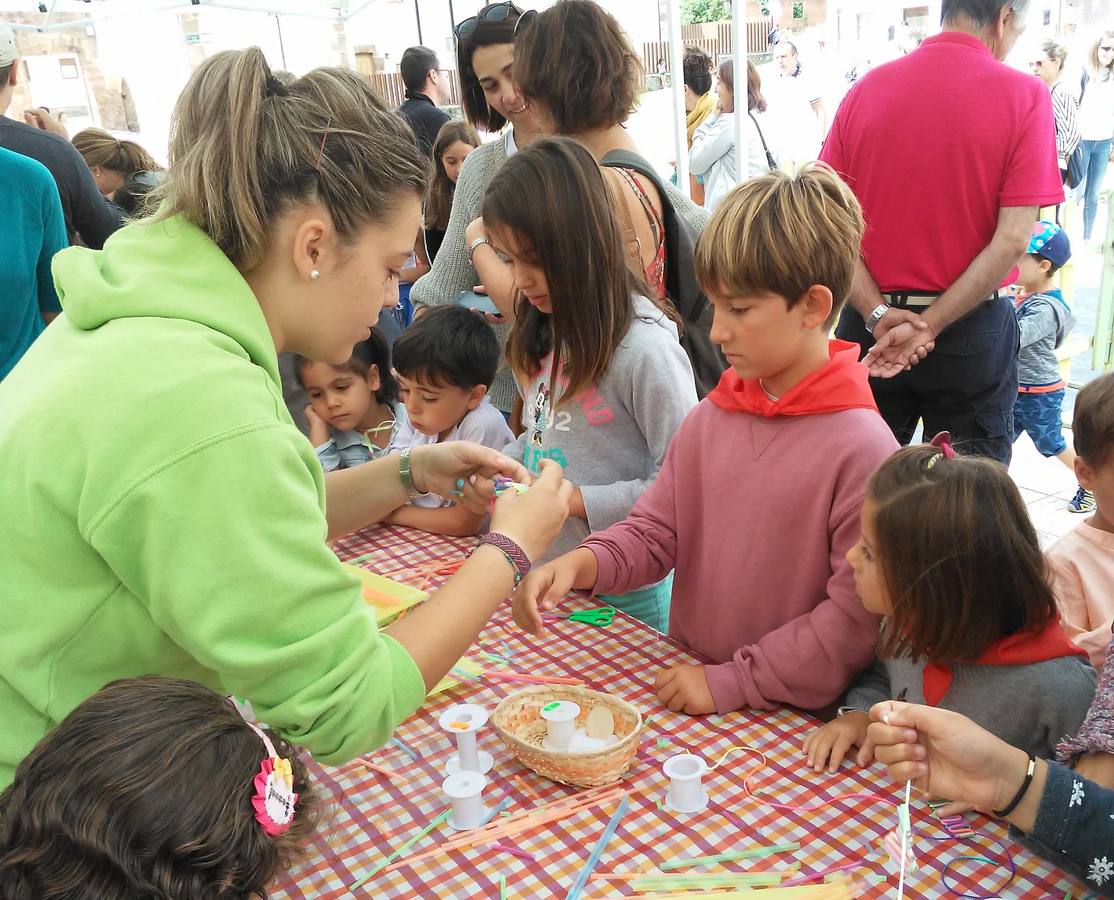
(1045, 321)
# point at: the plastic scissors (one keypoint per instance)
(601, 617)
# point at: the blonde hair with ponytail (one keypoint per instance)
(99, 148)
(245, 147)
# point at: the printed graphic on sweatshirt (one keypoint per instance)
(546, 419)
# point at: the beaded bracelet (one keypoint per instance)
(515, 555)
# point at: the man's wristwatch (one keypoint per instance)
(876, 316)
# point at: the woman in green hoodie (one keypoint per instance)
(161, 514)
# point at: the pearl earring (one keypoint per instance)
(315, 274)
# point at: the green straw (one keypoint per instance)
(756, 853)
(693, 882)
(502, 887)
(360, 559)
(397, 853)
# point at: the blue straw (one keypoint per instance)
(406, 748)
(593, 860)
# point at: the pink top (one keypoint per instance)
(1083, 576)
(933, 145)
(756, 515)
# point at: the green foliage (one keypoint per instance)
(694, 12)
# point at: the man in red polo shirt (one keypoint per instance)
(951, 153)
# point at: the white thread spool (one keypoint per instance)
(560, 722)
(686, 792)
(465, 791)
(464, 720)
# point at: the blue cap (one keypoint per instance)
(1050, 241)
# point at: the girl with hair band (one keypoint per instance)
(190, 514)
(203, 804)
(949, 557)
(605, 379)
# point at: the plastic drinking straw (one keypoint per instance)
(406, 748)
(360, 559)
(397, 853)
(502, 887)
(821, 873)
(904, 820)
(529, 679)
(390, 773)
(513, 851)
(732, 856)
(593, 859)
(693, 882)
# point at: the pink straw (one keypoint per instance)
(514, 851)
(823, 873)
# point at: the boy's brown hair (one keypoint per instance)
(145, 789)
(781, 234)
(959, 557)
(1092, 426)
(576, 61)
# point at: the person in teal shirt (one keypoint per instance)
(34, 231)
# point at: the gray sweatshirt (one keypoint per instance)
(612, 438)
(1031, 706)
(452, 270)
(1044, 320)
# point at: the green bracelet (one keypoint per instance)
(404, 474)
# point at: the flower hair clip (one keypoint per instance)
(274, 796)
(943, 442)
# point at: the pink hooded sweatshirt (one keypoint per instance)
(755, 506)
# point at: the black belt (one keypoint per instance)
(921, 299)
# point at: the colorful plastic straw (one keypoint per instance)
(732, 856)
(513, 851)
(528, 679)
(397, 853)
(593, 859)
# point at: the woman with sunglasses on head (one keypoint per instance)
(485, 56)
(1096, 125)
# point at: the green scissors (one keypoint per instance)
(601, 617)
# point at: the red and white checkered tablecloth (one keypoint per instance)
(374, 814)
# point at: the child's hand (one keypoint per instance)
(319, 430)
(684, 688)
(828, 744)
(541, 591)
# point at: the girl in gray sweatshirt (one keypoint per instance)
(605, 381)
(949, 556)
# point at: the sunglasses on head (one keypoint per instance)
(497, 12)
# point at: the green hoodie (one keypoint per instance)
(162, 514)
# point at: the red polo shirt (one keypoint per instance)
(933, 145)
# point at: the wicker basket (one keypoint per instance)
(518, 721)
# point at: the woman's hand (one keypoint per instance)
(447, 469)
(946, 755)
(534, 518)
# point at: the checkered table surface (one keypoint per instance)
(374, 814)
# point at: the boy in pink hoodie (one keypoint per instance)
(758, 499)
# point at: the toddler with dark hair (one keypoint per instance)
(445, 363)
(155, 788)
(353, 411)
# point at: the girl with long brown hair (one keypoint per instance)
(455, 143)
(605, 380)
(191, 515)
(123, 170)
